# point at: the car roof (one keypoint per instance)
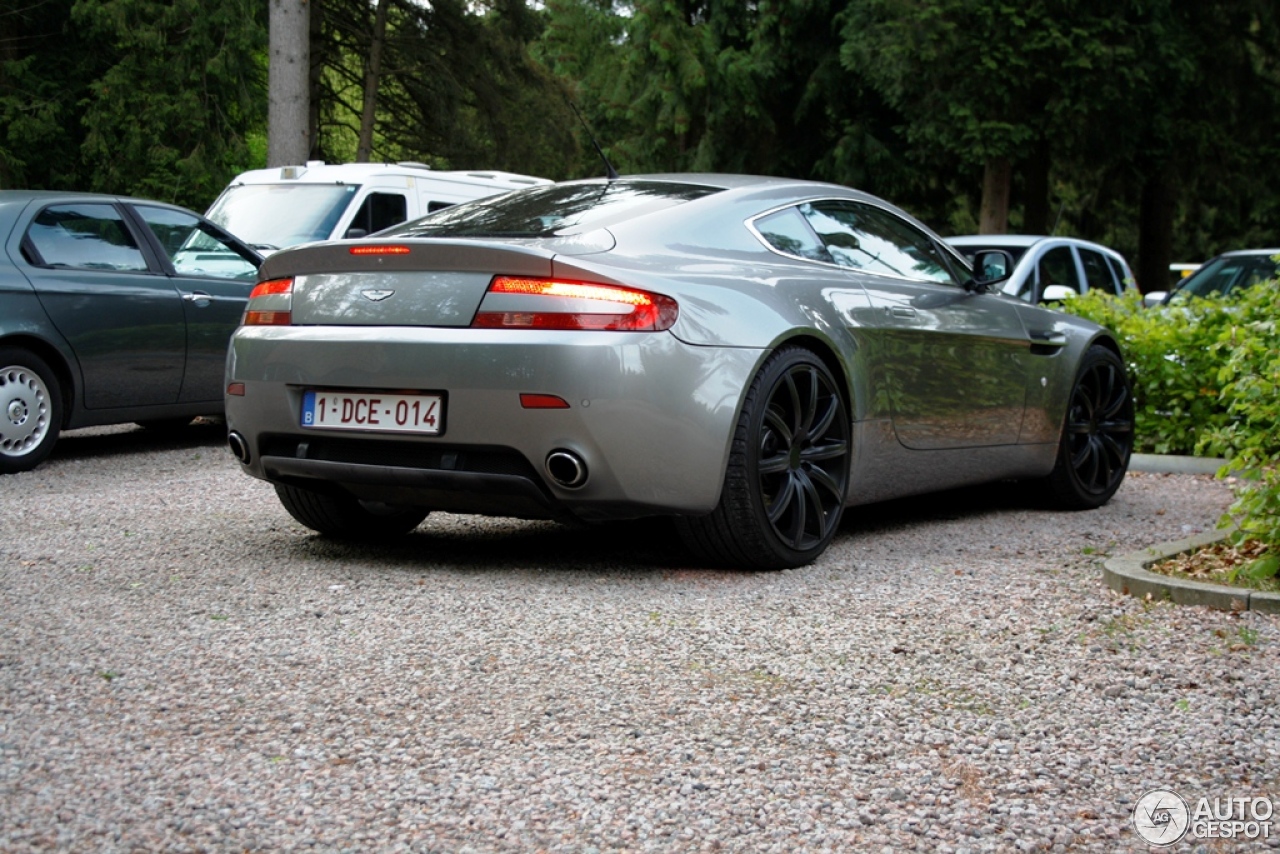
(25, 196)
(1237, 253)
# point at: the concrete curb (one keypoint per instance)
(1128, 574)
(1171, 464)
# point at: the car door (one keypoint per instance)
(99, 281)
(213, 275)
(954, 362)
(1056, 265)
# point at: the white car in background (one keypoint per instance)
(1051, 269)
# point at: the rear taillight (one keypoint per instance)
(563, 304)
(270, 304)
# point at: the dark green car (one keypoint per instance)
(112, 310)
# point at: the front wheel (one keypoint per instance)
(788, 472)
(345, 518)
(1097, 435)
(30, 410)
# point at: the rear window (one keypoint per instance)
(553, 211)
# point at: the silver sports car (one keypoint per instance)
(747, 355)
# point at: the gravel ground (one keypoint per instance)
(184, 668)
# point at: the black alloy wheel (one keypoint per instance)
(788, 471)
(1097, 436)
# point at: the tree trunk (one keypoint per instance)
(372, 77)
(315, 77)
(1155, 230)
(288, 110)
(1035, 209)
(994, 218)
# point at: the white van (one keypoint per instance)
(276, 208)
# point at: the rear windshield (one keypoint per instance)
(553, 211)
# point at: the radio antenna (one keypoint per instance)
(609, 171)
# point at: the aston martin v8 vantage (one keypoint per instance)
(747, 355)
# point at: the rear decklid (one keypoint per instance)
(397, 283)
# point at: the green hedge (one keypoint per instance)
(1206, 378)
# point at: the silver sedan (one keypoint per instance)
(747, 355)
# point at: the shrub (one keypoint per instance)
(1177, 393)
(1248, 351)
(1206, 380)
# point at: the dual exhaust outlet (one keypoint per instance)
(566, 468)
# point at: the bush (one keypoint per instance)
(1248, 351)
(1206, 380)
(1174, 369)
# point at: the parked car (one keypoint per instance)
(112, 309)
(276, 208)
(1051, 269)
(747, 355)
(1223, 274)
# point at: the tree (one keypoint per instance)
(45, 64)
(288, 88)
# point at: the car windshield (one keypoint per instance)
(1225, 274)
(553, 211)
(276, 216)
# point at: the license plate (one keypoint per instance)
(375, 412)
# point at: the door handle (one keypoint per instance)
(197, 297)
(1045, 338)
(900, 311)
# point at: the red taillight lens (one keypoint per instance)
(393, 249)
(276, 298)
(566, 304)
(272, 286)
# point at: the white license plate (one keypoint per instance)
(376, 412)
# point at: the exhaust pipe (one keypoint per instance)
(239, 447)
(566, 468)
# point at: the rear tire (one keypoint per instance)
(1097, 435)
(345, 518)
(788, 472)
(30, 410)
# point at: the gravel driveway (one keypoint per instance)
(184, 668)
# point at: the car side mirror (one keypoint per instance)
(356, 233)
(990, 267)
(1058, 293)
(1154, 298)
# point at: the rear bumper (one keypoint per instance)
(650, 417)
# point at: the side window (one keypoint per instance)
(787, 232)
(1096, 272)
(193, 250)
(1058, 267)
(379, 211)
(432, 207)
(1117, 270)
(875, 241)
(87, 236)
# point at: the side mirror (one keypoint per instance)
(1058, 293)
(1154, 298)
(355, 233)
(990, 267)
